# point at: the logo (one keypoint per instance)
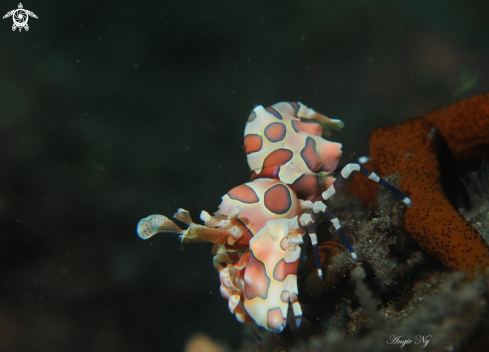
(20, 17)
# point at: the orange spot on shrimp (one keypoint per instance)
(252, 143)
(272, 163)
(283, 269)
(275, 132)
(275, 320)
(307, 187)
(252, 116)
(310, 155)
(277, 157)
(256, 280)
(244, 194)
(274, 112)
(312, 128)
(277, 199)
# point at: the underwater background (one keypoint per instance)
(112, 111)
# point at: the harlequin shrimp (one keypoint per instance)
(258, 228)
(279, 145)
(256, 234)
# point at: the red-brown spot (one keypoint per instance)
(311, 128)
(252, 143)
(275, 320)
(295, 106)
(274, 112)
(244, 194)
(277, 157)
(277, 199)
(252, 116)
(256, 280)
(275, 132)
(310, 155)
(282, 269)
(307, 187)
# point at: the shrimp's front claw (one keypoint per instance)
(156, 223)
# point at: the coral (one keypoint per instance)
(412, 149)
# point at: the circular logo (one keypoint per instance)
(20, 17)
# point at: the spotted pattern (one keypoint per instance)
(252, 116)
(295, 106)
(307, 186)
(310, 155)
(274, 113)
(256, 280)
(244, 194)
(275, 319)
(291, 133)
(253, 143)
(311, 128)
(267, 172)
(255, 215)
(283, 269)
(278, 199)
(275, 132)
(285, 296)
(277, 158)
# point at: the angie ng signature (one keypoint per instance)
(419, 340)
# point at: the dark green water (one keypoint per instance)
(113, 111)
